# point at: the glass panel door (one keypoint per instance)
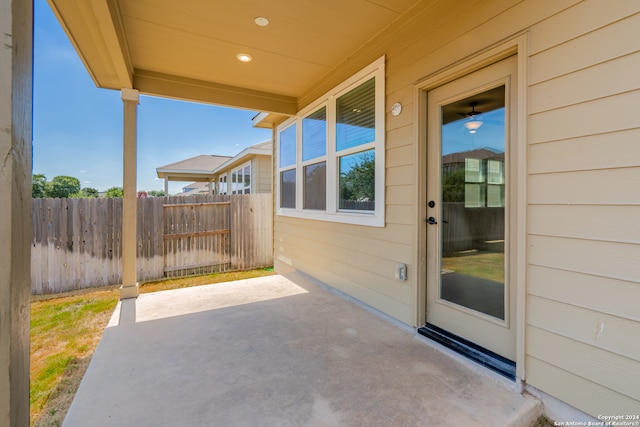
(470, 286)
(473, 210)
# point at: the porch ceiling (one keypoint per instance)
(187, 50)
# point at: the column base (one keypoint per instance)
(127, 292)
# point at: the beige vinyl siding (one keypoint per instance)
(357, 262)
(585, 290)
(582, 179)
(254, 174)
(573, 388)
(583, 280)
(262, 174)
(431, 37)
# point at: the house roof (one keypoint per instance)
(479, 153)
(203, 167)
(188, 50)
(261, 149)
(194, 167)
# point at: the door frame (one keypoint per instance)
(516, 45)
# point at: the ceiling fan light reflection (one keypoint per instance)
(244, 57)
(473, 125)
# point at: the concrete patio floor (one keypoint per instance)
(279, 351)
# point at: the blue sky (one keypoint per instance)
(77, 128)
(490, 135)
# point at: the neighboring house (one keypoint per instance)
(364, 99)
(197, 169)
(194, 189)
(248, 172)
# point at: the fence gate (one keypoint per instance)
(196, 238)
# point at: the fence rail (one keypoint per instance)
(77, 243)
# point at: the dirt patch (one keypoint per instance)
(60, 399)
(543, 422)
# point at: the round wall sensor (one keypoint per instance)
(396, 109)
(261, 21)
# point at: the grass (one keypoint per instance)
(209, 279)
(65, 330)
(483, 264)
(543, 422)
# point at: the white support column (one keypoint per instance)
(129, 287)
(16, 82)
(210, 185)
(166, 186)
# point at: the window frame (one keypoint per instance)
(332, 213)
(288, 167)
(237, 186)
(315, 160)
(222, 179)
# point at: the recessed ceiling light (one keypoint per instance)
(244, 57)
(261, 21)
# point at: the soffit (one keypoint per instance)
(194, 43)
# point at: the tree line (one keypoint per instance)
(69, 187)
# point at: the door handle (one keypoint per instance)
(431, 220)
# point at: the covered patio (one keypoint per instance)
(280, 351)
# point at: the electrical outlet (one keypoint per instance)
(401, 272)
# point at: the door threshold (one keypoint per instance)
(481, 355)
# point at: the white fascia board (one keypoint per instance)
(240, 158)
(185, 171)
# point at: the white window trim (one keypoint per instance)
(302, 163)
(222, 179)
(241, 169)
(375, 218)
(295, 166)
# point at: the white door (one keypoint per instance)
(470, 289)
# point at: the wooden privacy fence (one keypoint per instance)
(77, 242)
(196, 236)
(470, 228)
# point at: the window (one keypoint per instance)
(495, 183)
(331, 155)
(484, 183)
(315, 186)
(314, 135)
(287, 163)
(241, 180)
(357, 181)
(314, 151)
(356, 117)
(222, 185)
(288, 189)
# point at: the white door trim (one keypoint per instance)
(516, 45)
